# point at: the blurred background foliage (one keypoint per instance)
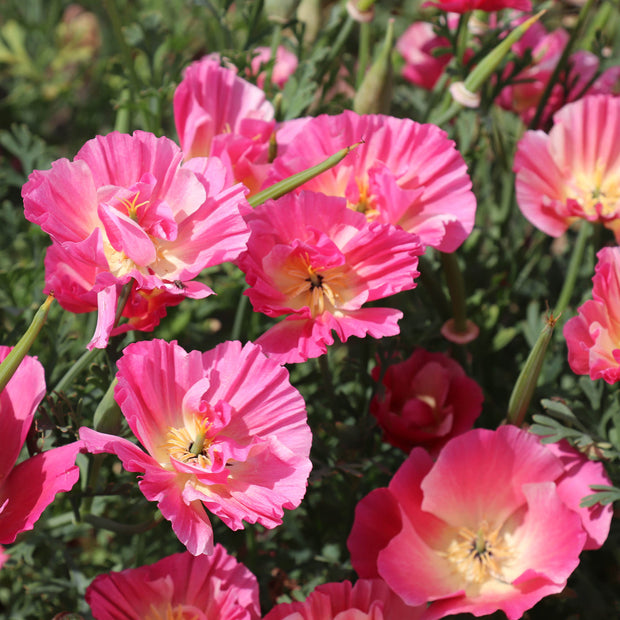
(71, 71)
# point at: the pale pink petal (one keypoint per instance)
(490, 466)
(575, 483)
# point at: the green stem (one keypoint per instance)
(290, 183)
(462, 37)
(20, 350)
(122, 300)
(573, 268)
(456, 286)
(239, 315)
(562, 63)
(528, 377)
(85, 360)
(363, 54)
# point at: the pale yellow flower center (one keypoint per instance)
(481, 555)
(322, 291)
(189, 446)
(598, 188)
(178, 612)
(366, 203)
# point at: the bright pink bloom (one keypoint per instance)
(178, 586)
(405, 173)
(546, 49)
(29, 487)
(284, 66)
(573, 172)
(463, 6)
(236, 410)
(216, 112)
(317, 262)
(416, 45)
(126, 209)
(425, 401)
(492, 524)
(368, 599)
(3, 557)
(593, 336)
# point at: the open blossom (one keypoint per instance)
(316, 262)
(593, 336)
(284, 65)
(492, 524)
(368, 599)
(424, 401)
(405, 173)
(223, 430)
(416, 45)
(574, 171)
(29, 487)
(125, 210)
(545, 49)
(216, 112)
(178, 586)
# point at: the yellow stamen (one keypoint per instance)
(481, 555)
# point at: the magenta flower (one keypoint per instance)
(283, 67)
(28, 488)
(573, 172)
(463, 6)
(222, 429)
(593, 336)
(178, 586)
(316, 262)
(406, 174)
(425, 401)
(417, 46)
(368, 599)
(219, 113)
(546, 48)
(493, 524)
(125, 209)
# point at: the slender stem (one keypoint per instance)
(456, 286)
(462, 36)
(239, 315)
(85, 360)
(122, 300)
(562, 63)
(364, 53)
(573, 268)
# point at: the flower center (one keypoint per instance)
(366, 204)
(178, 612)
(187, 447)
(479, 556)
(597, 193)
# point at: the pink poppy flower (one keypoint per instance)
(178, 586)
(28, 488)
(593, 336)
(425, 401)
(406, 174)
(463, 6)
(491, 525)
(546, 49)
(316, 262)
(223, 430)
(416, 45)
(216, 112)
(368, 599)
(573, 172)
(3, 557)
(125, 209)
(284, 66)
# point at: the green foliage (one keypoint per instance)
(66, 79)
